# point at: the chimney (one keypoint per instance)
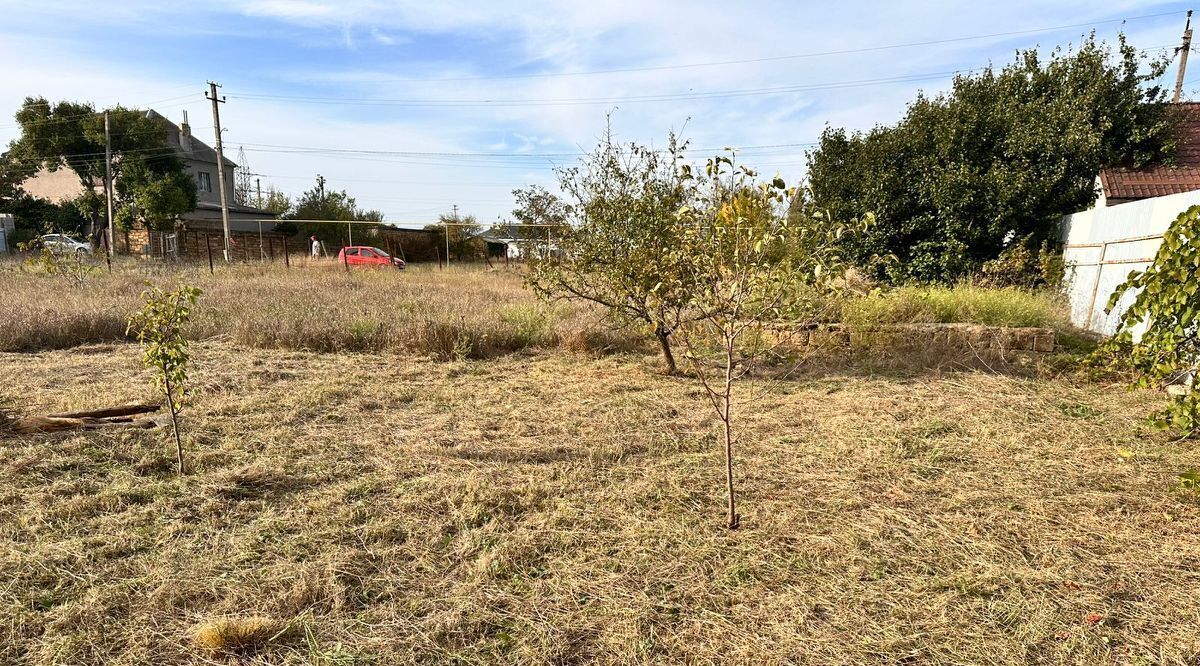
(185, 134)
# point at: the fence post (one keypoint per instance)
(286, 263)
(208, 246)
(346, 259)
(1096, 286)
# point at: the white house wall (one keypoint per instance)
(1108, 231)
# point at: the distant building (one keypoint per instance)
(505, 241)
(200, 161)
(514, 241)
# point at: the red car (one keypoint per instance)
(365, 255)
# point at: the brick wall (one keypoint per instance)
(245, 246)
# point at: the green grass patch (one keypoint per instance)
(966, 304)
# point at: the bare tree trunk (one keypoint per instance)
(727, 423)
(174, 422)
(664, 342)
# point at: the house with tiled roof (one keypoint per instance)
(1118, 186)
(197, 230)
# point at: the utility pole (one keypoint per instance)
(258, 193)
(108, 187)
(448, 235)
(321, 186)
(1183, 56)
(212, 95)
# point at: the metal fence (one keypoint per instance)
(1105, 244)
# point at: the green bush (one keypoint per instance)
(530, 325)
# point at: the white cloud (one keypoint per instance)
(367, 49)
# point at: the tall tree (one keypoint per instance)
(542, 217)
(327, 206)
(998, 159)
(71, 135)
(463, 231)
(274, 201)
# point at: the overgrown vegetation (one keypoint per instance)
(424, 311)
(465, 312)
(76, 267)
(1158, 335)
(995, 162)
(963, 303)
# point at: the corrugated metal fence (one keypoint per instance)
(1104, 244)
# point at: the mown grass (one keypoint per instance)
(458, 313)
(564, 508)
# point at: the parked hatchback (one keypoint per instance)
(63, 244)
(365, 255)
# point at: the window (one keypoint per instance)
(352, 252)
(205, 181)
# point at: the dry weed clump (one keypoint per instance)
(9, 412)
(239, 635)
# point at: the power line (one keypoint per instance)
(96, 114)
(576, 101)
(629, 99)
(444, 154)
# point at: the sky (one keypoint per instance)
(415, 107)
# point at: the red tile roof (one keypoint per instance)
(1121, 185)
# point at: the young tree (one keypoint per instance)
(748, 262)
(274, 201)
(74, 266)
(159, 327)
(997, 160)
(1167, 307)
(622, 250)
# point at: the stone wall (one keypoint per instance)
(964, 337)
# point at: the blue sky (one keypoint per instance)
(460, 102)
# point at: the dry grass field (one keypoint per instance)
(562, 503)
(456, 313)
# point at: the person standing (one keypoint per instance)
(316, 247)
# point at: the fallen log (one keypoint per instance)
(113, 417)
(108, 412)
